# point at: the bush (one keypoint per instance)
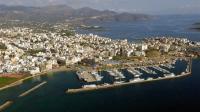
(2, 46)
(153, 53)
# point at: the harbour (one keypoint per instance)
(118, 76)
(101, 87)
(180, 94)
(123, 84)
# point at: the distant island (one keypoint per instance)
(64, 13)
(196, 26)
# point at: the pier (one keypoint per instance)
(86, 76)
(5, 105)
(32, 89)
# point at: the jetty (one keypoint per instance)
(32, 89)
(5, 105)
(86, 76)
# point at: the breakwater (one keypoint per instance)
(5, 105)
(32, 89)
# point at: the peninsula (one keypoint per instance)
(26, 52)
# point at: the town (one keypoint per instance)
(25, 52)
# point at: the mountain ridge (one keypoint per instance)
(58, 13)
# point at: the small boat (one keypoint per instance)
(97, 76)
(149, 78)
(118, 82)
(89, 86)
(136, 80)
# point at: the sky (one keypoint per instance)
(134, 6)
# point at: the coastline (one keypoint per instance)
(19, 82)
(60, 69)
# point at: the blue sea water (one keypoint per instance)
(182, 94)
(175, 26)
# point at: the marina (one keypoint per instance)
(119, 75)
(123, 84)
(134, 72)
(169, 66)
(137, 79)
(97, 76)
(147, 70)
(161, 69)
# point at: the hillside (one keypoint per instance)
(59, 13)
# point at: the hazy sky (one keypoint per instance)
(136, 6)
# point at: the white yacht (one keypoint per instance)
(97, 76)
(111, 73)
(119, 74)
(169, 75)
(89, 86)
(136, 80)
(118, 82)
(150, 78)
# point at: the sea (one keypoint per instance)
(181, 94)
(160, 26)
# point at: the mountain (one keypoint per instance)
(60, 13)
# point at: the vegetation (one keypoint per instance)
(118, 58)
(67, 33)
(124, 58)
(2, 46)
(5, 81)
(152, 53)
(33, 52)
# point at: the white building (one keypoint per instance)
(165, 48)
(35, 71)
(139, 53)
(143, 47)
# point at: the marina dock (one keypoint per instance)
(86, 76)
(5, 105)
(32, 89)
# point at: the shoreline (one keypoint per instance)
(19, 82)
(60, 69)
